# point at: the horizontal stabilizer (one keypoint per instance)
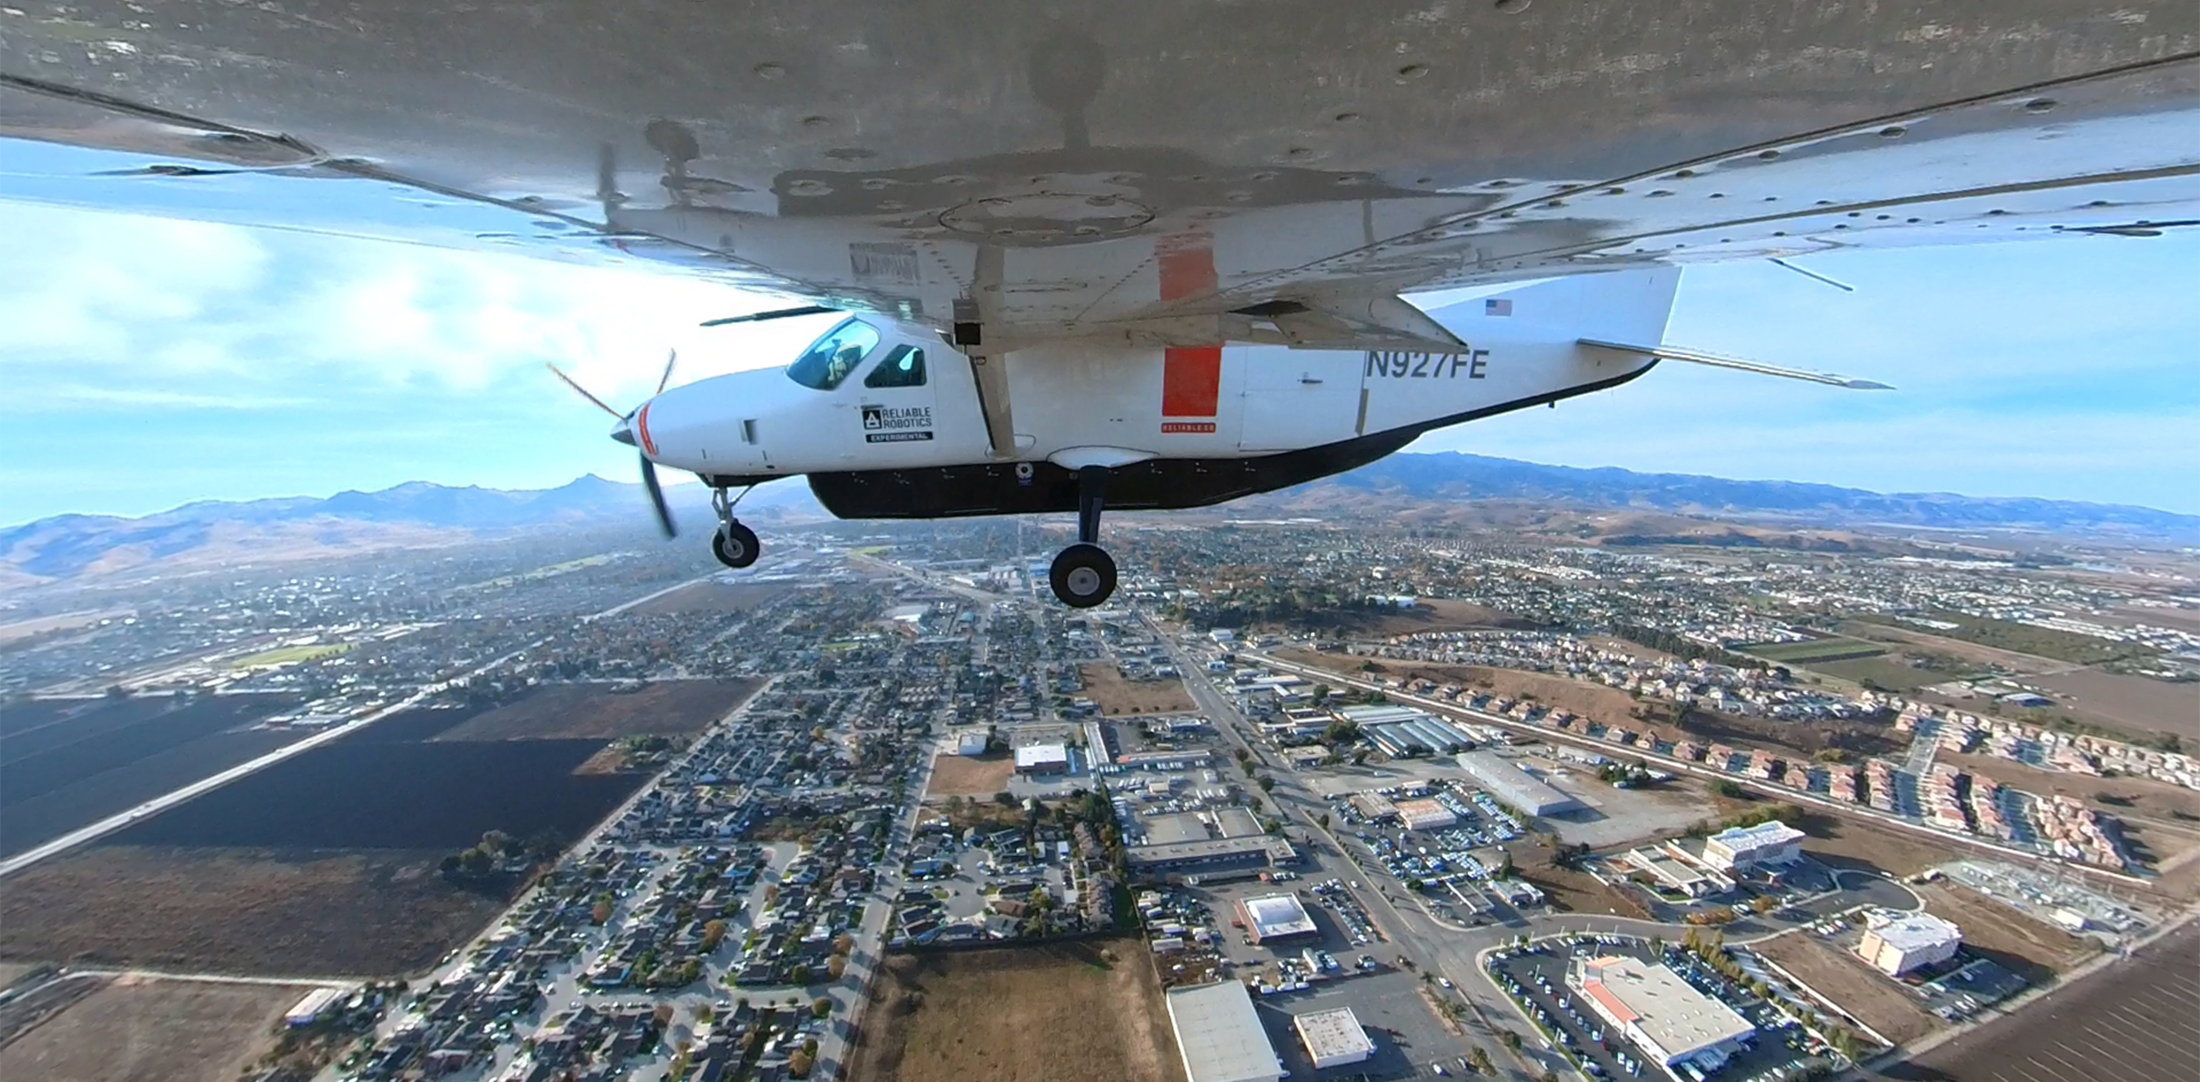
(1671, 353)
(1363, 322)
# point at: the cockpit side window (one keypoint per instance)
(904, 367)
(831, 358)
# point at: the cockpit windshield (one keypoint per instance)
(832, 357)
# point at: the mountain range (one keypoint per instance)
(419, 513)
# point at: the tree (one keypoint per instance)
(799, 1064)
(1005, 799)
(836, 965)
(1266, 783)
(1322, 821)
(1481, 1060)
(714, 933)
(600, 912)
(800, 974)
(1510, 1039)
(1243, 755)
(821, 1006)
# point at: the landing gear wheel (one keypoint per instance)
(735, 545)
(1083, 576)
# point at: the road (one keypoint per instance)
(833, 1051)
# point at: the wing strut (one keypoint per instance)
(1713, 360)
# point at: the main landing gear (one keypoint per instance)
(1084, 574)
(735, 545)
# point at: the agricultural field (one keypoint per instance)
(1073, 1012)
(287, 655)
(142, 1030)
(598, 712)
(1810, 651)
(1875, 1000)
(68, 763)
(2141, 706)
(398, 795)
(969, 775)
(1105, 686)
(1890, 672)
(374, 913)
(2024, 639)
(324, 864)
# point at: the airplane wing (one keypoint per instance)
(1141, 172)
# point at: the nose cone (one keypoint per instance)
(624, 431)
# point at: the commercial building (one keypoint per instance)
(1676, 874)
(1272, 918)
(1425, 815)
(1899, 943)
(1219, 1035)
(309, 1010)
(1042, 759)
(1664, 1015)
(1333, 1038)
(1504, 780)
(970, 742)
(1211, 858)
(1747, 847)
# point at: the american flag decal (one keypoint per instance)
(1497, 306)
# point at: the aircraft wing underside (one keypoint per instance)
(1156, 173)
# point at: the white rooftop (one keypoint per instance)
(1666, 1008)
(1034, 754)
(1334, 1032)
(1220, 1036)
(1763, 834)
(1914, 931)
(1277, 915)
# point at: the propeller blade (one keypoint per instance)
(583, 391)
(657, 498)
(672, 357)
(776, 313)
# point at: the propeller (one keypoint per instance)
(624, 434)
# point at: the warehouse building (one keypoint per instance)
(1425, 815)
(1504, 780)
(1666, 1017)
(1220, 1037)
(1334, 1038)
(1042, 759)
(1747, 847)
(1675, 874)
(1274, 918)
(1899, 943)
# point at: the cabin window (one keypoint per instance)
(833, 356)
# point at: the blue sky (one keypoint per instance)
(154, 362)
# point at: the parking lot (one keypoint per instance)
(1409, 1040)
(1536, 979)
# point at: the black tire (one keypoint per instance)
(735, 546)
(1083, 576)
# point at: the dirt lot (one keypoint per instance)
(1076, 1012)
(713, 596)
(969, 775)
(2026, 946)
(1847, 842)
(1875, 1000)
(1105, 685)
(595, 711)
(242, 911)
(2134, 704)
(142, 1030)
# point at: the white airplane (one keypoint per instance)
(1123, 255)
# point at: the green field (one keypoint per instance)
(288, 655)
(1813, 651)
(2026, 639)
(1886, 674)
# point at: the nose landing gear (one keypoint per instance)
(735, 545)
(1083, 574)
